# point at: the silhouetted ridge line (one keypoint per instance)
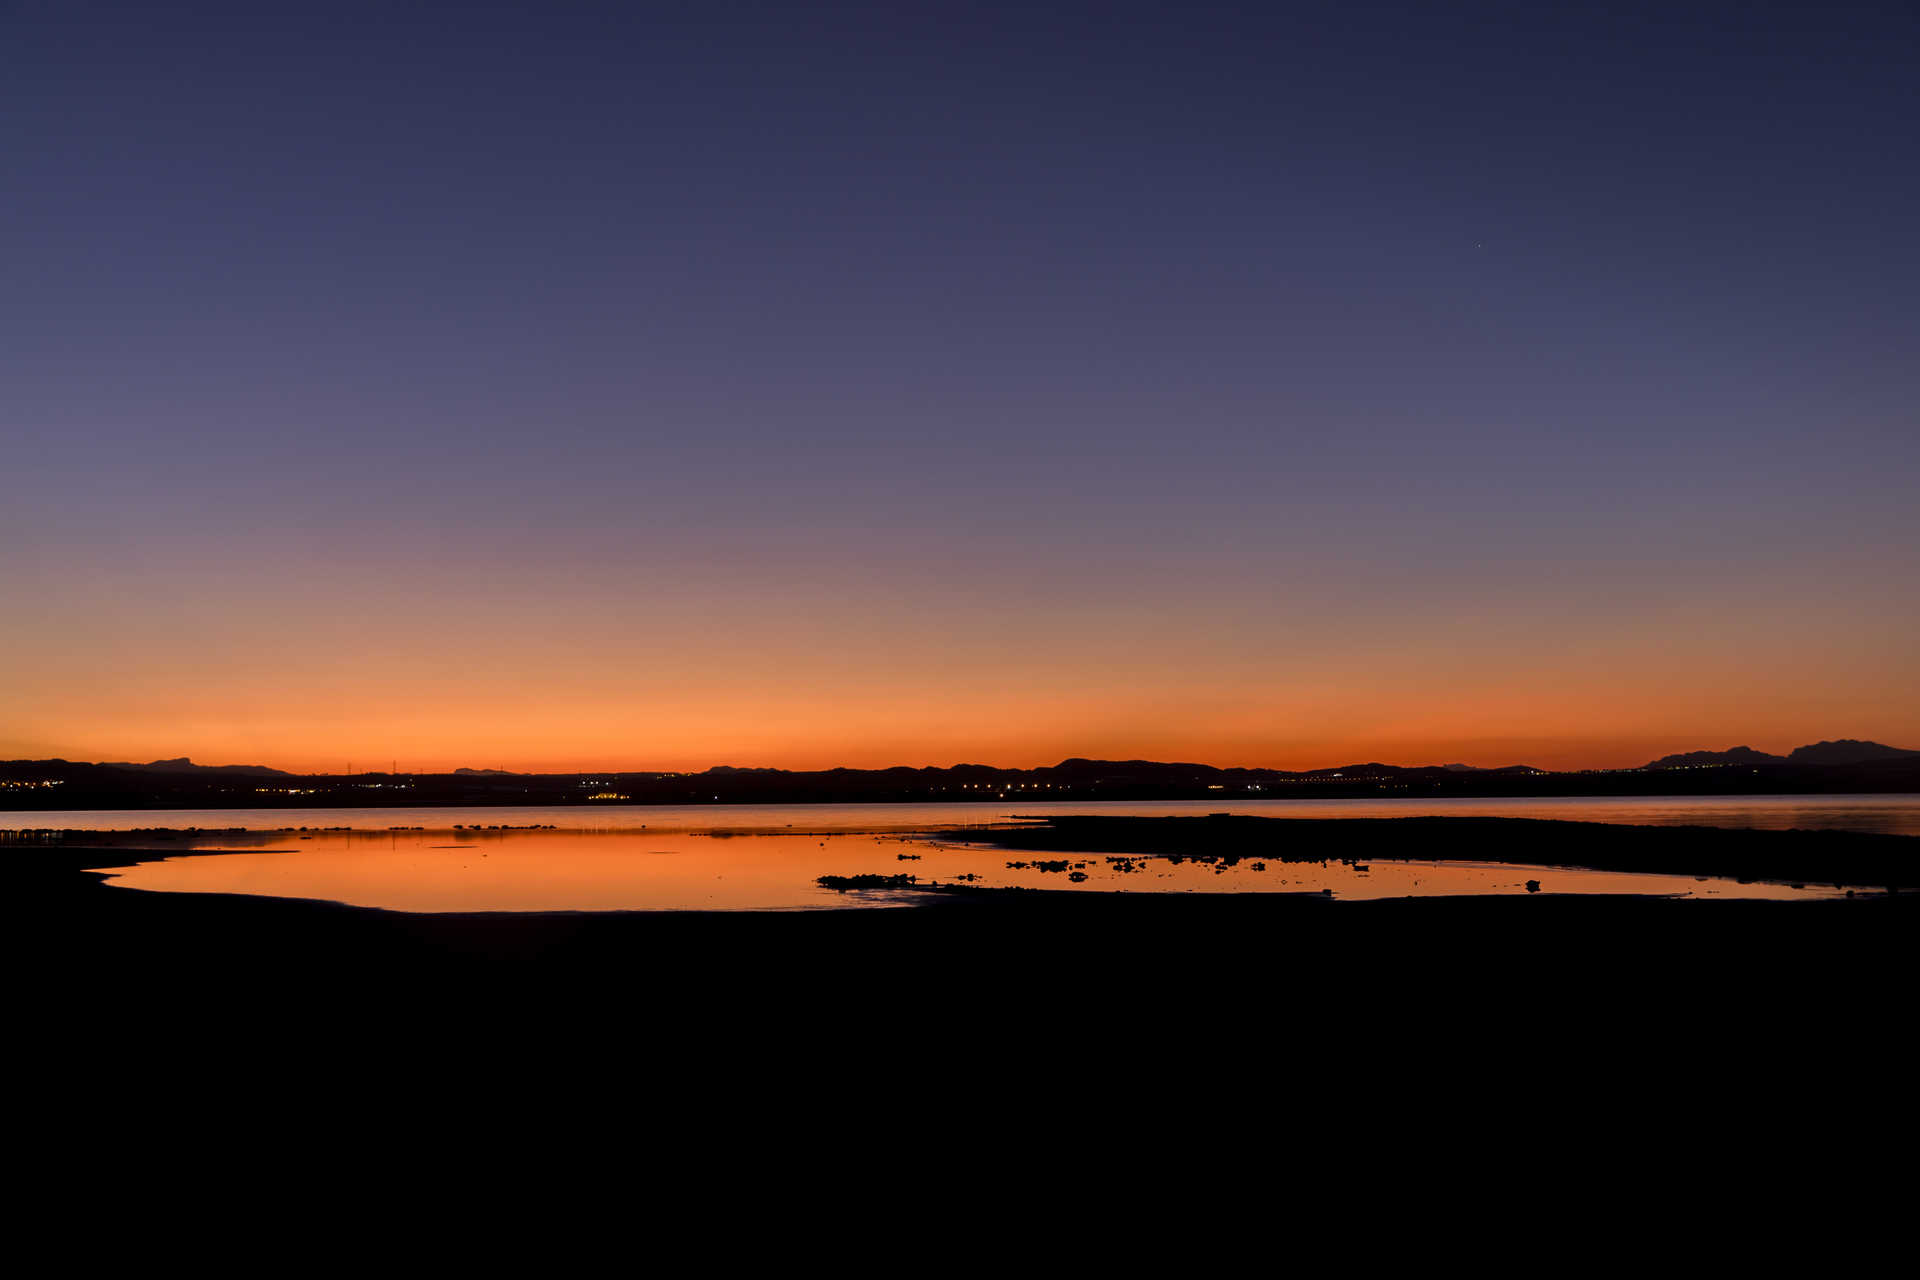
(1707, 759)
(1848, 751)
(1842, 751)
(180, 764)
(1827, 767)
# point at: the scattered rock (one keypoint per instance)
(866, 881)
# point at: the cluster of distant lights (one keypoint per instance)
(314, 791)
(30, 784)
(608, 782)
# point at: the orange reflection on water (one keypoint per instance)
(453, 871)
(532, 871)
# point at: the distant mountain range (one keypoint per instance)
(1838, 752)
(1847, 751)
(1847, 765)
(180, 764)
(1714, 759)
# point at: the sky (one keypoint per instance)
(573, 386)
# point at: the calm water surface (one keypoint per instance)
(749, 857)
(1888, 814)
(616, 871)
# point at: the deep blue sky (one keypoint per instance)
(1161, 349)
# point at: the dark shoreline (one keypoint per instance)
(57, 878)
(59, 889)
(1842, 859)
(1014, 989)
(1018, 958)
(61, 894)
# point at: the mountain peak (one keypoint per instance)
(181, 764)
(1847, 751)
(1714, 759)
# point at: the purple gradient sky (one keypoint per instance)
(667, 385)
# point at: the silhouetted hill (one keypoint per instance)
(1842, 751)
(1080, 764)
(1709, 759)
(180, 784)
(180, 764)
(1848, 751)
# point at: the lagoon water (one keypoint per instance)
(766, 857)
(1885, 814)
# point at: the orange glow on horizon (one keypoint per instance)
(1278, 729)
(773, 674)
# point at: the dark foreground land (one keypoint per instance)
(1004, 972)
(1015, 1032)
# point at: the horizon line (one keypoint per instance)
(395, 770)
